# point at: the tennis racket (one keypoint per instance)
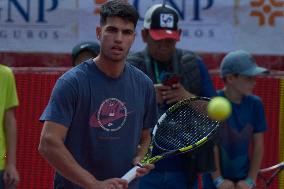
(265, 181)
(184, 127)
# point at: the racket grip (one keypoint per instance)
(131, 174)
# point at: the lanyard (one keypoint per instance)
(156, 70)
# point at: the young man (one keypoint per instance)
(84, 51)
(9, 176)
(235, 170)
(159, 59)
(95, 130)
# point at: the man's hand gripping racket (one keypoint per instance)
(184, 127)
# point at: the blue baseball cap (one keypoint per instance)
(240, 62)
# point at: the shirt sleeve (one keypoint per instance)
(260, 124)
(12, 97)
(62, 104)
(150, 117)
(207, 88)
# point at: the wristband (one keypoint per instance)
(250, 182)
(218, 181)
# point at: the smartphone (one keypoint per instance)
(170, 79)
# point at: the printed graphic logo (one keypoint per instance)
(267, 12)
(167, 20)
(111, 115)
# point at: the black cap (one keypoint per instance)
(162, 22)
(86, 46)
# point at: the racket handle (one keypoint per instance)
(131, 174)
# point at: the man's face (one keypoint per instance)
(160, 50)
(116, 38)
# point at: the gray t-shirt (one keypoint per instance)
(104, 116)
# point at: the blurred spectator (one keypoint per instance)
(9, 176)
(84, 51)
(159, 60)
(244, 128)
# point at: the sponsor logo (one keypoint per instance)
(167, 20)
(10, 9)
(267, 11)
(28, 20)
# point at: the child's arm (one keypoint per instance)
(257, 155)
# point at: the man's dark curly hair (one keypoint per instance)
(119, 8)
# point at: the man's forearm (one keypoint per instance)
(144, 143)
(62, 160)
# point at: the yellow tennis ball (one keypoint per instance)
(219, 108)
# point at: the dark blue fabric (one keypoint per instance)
(104, 116)
(166, 180)
(207, 182)
(1, 180)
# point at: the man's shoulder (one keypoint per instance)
(188, 60)
(136, 57)
(69, 74)
(77, 71)
(185, 52)
(138, 54)
(187, 55)
(136, 70)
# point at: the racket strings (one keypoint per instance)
(184, 127)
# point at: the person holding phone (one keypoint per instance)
(186, 76)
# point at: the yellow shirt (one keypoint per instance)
(8, 99)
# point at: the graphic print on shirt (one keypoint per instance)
(111, 115)
(235, 142)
